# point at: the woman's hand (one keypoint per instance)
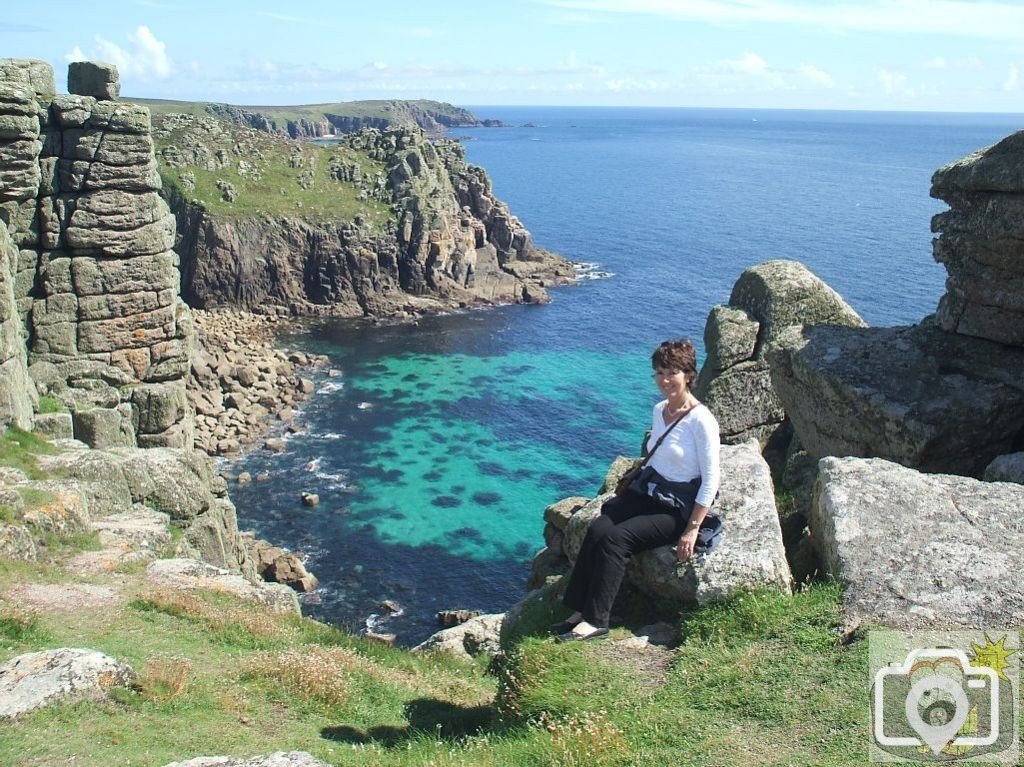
(684, 549)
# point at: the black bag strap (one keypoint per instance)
(665, 434)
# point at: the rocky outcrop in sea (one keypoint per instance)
(423, 231)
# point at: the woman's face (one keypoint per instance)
(672, 383)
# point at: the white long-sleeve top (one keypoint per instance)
(689, 452)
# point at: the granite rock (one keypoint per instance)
(34, 680)
(478, 635)
(277, 759)
(750, 556)
(1006, 468)
(914, 550)
(979, 242)
(95, 275)
(94, 78)
(735, 380)
(919, 396)
(17, 394)
(191, 574)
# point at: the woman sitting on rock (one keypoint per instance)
(665, 504)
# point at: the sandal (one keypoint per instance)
(598, 633)
(562, 627)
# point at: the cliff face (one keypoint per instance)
(17, 395)
(96, 284)
(380, 223)
(979, 242)
(430, 116)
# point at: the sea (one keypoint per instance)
(435, 447)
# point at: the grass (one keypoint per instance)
(19, 448)
(284, 177)
(762, 679)
(394, 111)
(49, 404)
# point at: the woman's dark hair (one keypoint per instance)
(677, 355)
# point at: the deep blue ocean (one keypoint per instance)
(438, 448)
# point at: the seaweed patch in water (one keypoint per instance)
(492, 469)
(388, 475)
(446, 501)
(466, 534)
(486, 499)
(432, 476)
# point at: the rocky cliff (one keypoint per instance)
(351, 117)
(97, 283)
(380, 223)
(980, 242)
(946, 395)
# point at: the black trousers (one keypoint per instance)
(627, 525)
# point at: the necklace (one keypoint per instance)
(686, 407)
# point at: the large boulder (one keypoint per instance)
(979, 242)
(192, 575)
(480, 634)
(925, 398)
(914, 550)
(735, 381)
(179, 483)
(1006, 468)
(750, 556)
(29, 682)
(94, 78)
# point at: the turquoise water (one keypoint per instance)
(463, 473)
(438, 448)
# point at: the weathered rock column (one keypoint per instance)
(17, 394)
(108, 332)
(981, 242)
(735, 381)
(22, 85)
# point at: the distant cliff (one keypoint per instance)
(380, 223)
(319, 120)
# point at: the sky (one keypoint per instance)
(917, 55)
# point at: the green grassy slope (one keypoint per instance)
(269, 175)
(395, 111)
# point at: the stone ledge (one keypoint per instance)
(914, 550)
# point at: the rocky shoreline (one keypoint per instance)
(239, 383)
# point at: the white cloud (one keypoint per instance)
(1012, 79)
(893, 83)
(756, 72)
(750, 64)
(145, 58)
(816, 76)
(942, 64)
(622, 85)
(289, 19)
(984, 19)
